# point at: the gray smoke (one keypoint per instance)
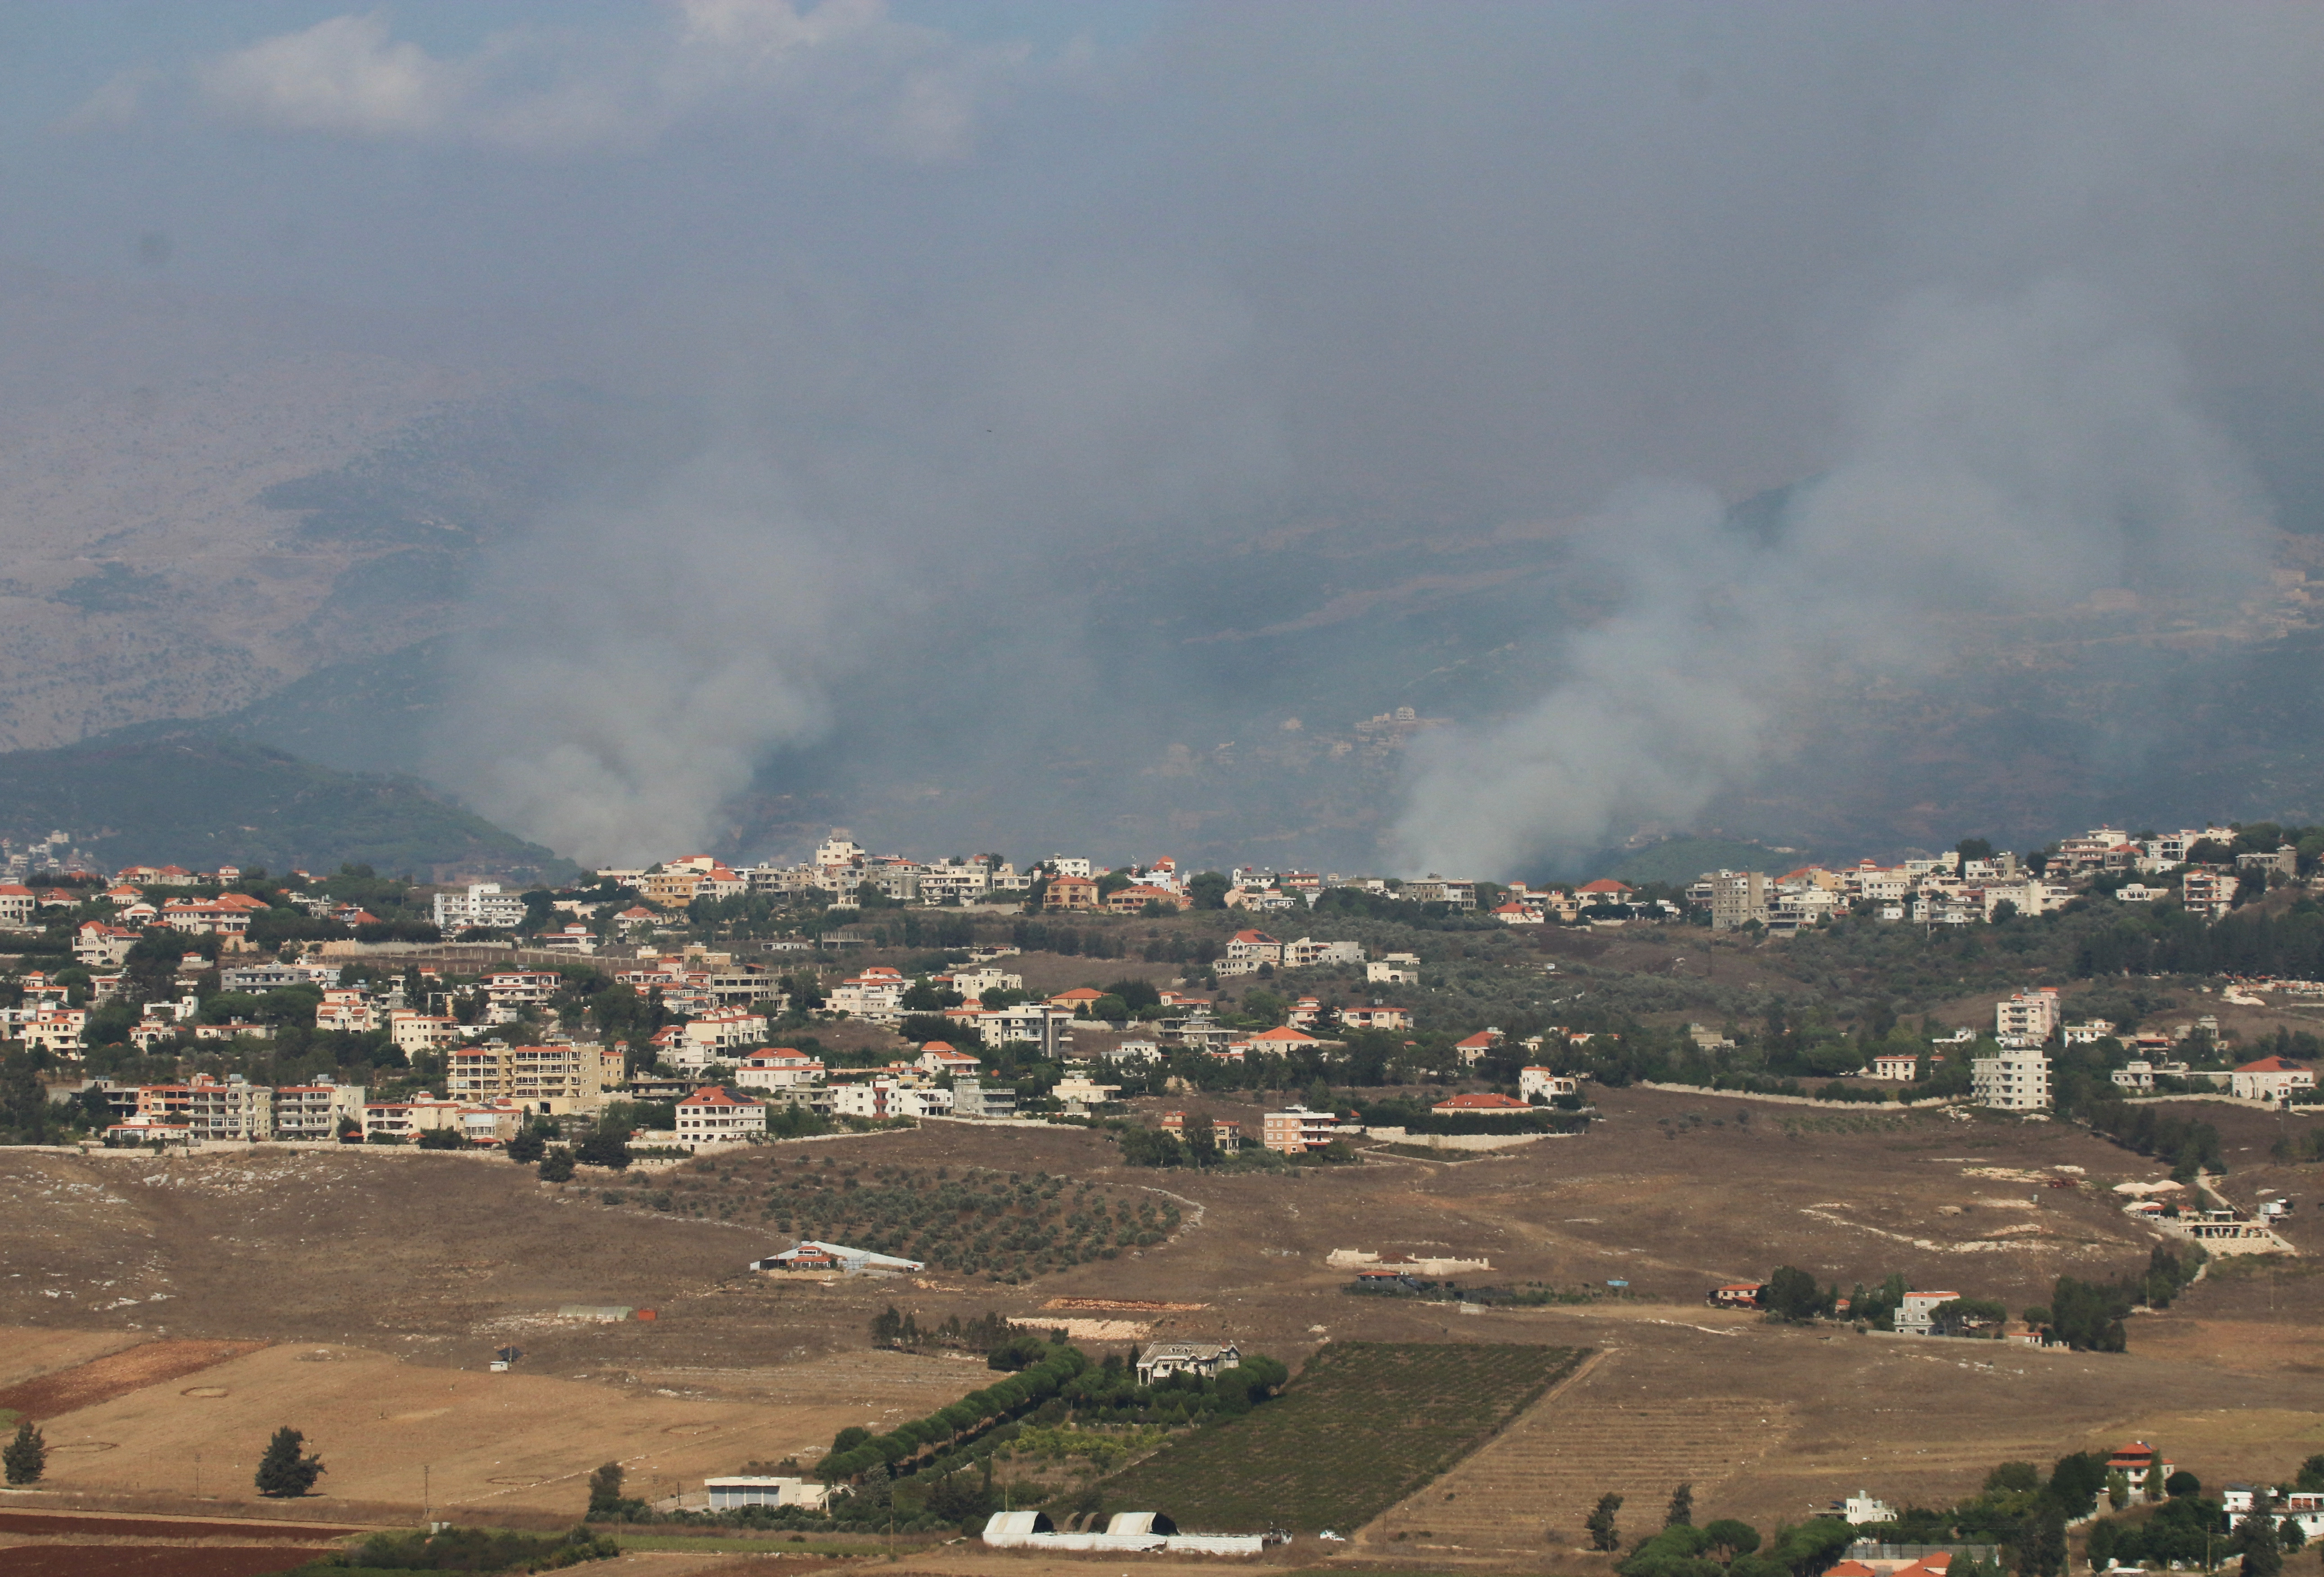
(966, 305)
(2010, 457)
(633, 684)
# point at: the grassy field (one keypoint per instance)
(1363, 1425)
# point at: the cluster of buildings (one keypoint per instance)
(1946, 890)
(2016, 1077)
(842, 869)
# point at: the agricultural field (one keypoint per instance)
(1008, 1226)
(1362, 1426)
(410, 1270)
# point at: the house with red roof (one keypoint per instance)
(98, 943)
(1133, 899)
(1478, 1046)
(17, 906)
(713, 1115)
(2137, 1462)
(1516, 914)
(1481, 1105)
(1604, 890)
(1280, 1041)
(1256, 946)
(2271, 1078)
(937, 1056)
(1078, 1000)
(1070, 893)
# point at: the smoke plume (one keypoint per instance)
(2008, 457)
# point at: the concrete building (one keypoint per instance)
(713, 1116)
(2271, 1078)
(1203, 1360)
(1296, 1131)
(2027, 1015)
(483, 905)
(313, 1111)
(1738, 897)
(551, 1079)
(973, 1098)
(2017, 1079)
(1916, 1315)
(229, 1108)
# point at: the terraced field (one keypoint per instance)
(1364, 1425)
(1583, 1439)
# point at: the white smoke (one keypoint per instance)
(2006, 456)
(651, 656)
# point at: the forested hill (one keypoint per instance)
(154, 795)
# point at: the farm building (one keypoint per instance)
(1916, 1315)
(813, 1256)
(732, 1493)
(1203, 1360)
(1737, 1295)
(1125, 1530)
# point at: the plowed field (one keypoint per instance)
(148, 1561)
(37, 1523)
(114, 1375)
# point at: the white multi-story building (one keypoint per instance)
(483, 905)
(346, 1008)
(2027, 1015)
(889, 1098)
(2015, 1079)
(1542, 1082)
(712, 1116)
(777, 1068)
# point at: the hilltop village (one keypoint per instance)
(714, 1005)
(938, 1079)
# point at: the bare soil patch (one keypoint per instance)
(153, 1528)
(148, 1561)
(117, 1374)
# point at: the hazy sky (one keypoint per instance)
(944, 286)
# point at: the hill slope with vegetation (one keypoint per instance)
(191, 798)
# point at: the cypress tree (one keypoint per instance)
(26, 1457)
(284, 1471)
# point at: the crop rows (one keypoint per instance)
(1010, 1226)
(1365, 1424)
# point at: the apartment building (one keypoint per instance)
(413, 1031)
(553, 1079)
(2027, 1015)
(1738, 897)
(2016, 1080)
(889, 1098)
(228, 1108)
(483, 906)
(1296, 1131)
(312, 1112)
(711, 1115)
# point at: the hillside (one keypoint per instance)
(155, 794)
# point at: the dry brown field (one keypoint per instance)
(382, 1282)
